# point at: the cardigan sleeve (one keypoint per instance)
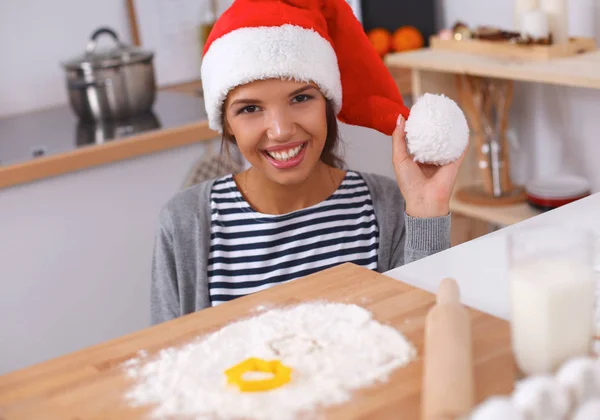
(425, 236)
(179, 283)
(164, 295)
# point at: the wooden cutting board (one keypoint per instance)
(89, 384)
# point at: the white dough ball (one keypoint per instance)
(541, 397)
(496, 408)
(436, 130)
(580, 377)
(588, 411)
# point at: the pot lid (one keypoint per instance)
(96, 58)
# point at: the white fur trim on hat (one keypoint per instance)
(249, 54)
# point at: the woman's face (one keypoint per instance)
(280, 127)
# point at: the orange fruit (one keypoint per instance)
(407, 38)
(381, 39)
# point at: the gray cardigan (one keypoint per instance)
(179, 268)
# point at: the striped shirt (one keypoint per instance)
(252, 251)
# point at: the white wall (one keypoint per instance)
(76, 251)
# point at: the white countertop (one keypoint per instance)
(480, 266)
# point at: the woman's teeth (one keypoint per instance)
(286, 154)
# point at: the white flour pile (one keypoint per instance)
(332, 349)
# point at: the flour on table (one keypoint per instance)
(332, 348)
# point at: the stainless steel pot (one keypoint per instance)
(111, 84)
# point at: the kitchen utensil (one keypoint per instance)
(448, 374)
(486, 102)
(110, 84)
(552, 288)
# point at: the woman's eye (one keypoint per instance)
(248, 109)
(302, 98)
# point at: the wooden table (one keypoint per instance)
(89, 384)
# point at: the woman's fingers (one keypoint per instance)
(399, 149)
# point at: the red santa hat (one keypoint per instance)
(318, 41)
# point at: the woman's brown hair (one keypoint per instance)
(328, 155)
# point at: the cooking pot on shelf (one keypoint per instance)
(110, 84)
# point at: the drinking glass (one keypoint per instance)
(552, 294)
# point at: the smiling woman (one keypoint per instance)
(283, 130)
(273, 79)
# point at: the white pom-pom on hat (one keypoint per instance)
(437, 131)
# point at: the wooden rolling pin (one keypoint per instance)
(448, 390)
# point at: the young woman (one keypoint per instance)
(274, 89)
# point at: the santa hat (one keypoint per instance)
(306, 40)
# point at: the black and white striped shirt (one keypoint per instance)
(252, 251)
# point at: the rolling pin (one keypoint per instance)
(448, 391)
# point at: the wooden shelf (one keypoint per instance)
(501, 215)
(577, 71)
(193, 88)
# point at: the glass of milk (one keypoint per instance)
(552, 293)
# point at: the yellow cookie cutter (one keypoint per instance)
(281, 375)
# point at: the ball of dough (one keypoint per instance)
(588, 411)
(436, 130)
(496, 408)
(541, 397)
(580, 377)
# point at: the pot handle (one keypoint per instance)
(91, 46)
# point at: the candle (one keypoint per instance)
(558, 18)
(522, 6)
(534, 24)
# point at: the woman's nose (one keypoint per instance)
(280, 126)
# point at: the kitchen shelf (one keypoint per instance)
(576, 71)
(496, 215)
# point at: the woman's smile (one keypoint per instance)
(286, 156)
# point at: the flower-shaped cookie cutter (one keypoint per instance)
(281, 375)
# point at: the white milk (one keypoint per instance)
(552, 304)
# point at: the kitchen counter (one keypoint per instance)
(52, 142)
(481, 266)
